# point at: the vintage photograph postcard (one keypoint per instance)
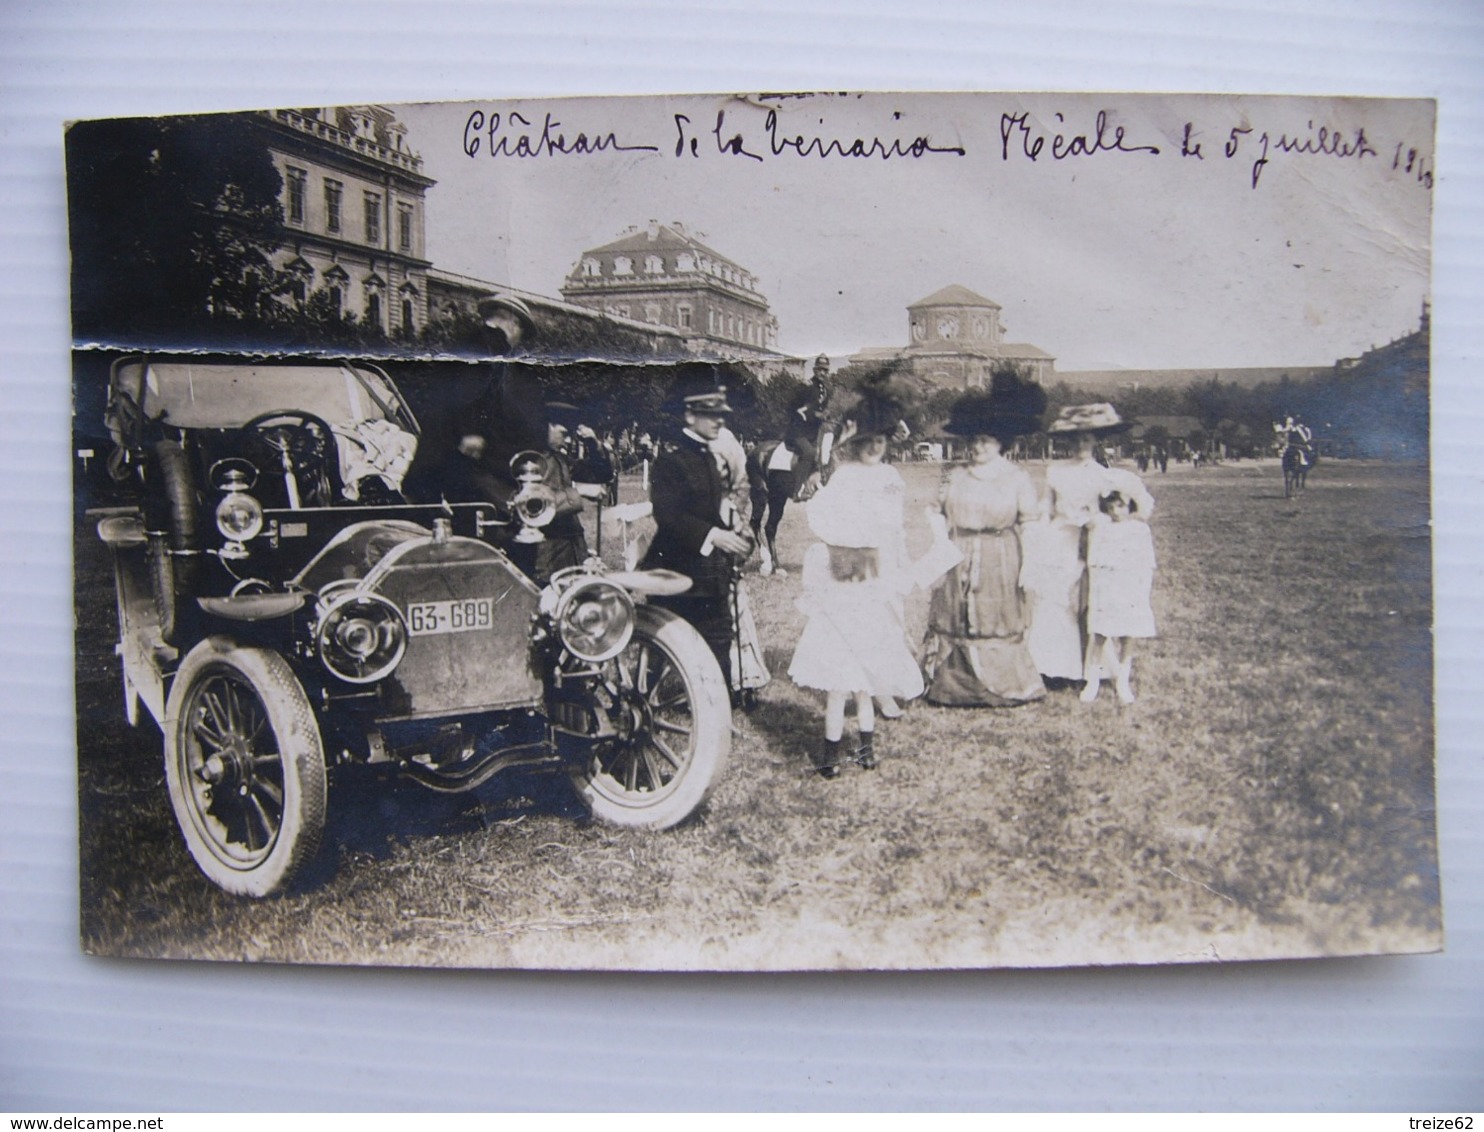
(756, 532)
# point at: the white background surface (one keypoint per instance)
(81, 1034)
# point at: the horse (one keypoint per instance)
(772, 483)
(1298, 461)
(789, 467)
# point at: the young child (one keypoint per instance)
(1120, 573)
(855, 641)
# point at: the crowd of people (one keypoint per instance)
(1027, 591)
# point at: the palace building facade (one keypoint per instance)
(955, 339)
(354, 199)
(664, 275)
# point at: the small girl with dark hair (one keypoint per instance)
(1120, 573)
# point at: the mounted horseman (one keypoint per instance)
(1299, 454)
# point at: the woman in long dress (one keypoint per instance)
(975, 654)
(1055, 573)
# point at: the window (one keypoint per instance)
(297, 179)
(623, 265)
(334, 191)
(654, 265)
(591, 268)
(373, 309)
(373, 218)
(683, 312)
(404, 227)
(685, 262)
(407, 323)
(337, 300)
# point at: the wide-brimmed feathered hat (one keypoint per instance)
(1099, 418)
(880, 410)
(1010, 407)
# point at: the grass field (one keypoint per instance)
(1270, 793)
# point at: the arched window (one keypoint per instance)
(591, 268)
(685, 262)
(623, 265)
(654, 265)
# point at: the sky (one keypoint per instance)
(1115, 231)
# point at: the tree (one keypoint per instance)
(1209, 401)
(174, 222)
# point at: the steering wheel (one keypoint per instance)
(302, 441)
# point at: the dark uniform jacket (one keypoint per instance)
(686, 490)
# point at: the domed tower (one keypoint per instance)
(953, 320)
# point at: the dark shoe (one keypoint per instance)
(826, 759)
(865, 754)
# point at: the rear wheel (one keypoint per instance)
(245, 766)
(667, 702)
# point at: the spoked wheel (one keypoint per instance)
(667, 703)
(245, 766)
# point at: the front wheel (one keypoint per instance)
(245, 766)
(668, 705)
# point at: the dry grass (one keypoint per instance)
(1270, 794)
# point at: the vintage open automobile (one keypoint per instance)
(284, 611)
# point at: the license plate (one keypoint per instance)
(425, 618)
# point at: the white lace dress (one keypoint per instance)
(855, 639)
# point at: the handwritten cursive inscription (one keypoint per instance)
(1033, 142)
(1324, 143)
(511, 136)
(761, 133)
(776, 143)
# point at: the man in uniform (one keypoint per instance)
(696, 532)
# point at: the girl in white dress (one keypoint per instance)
(1054, 574)
(1120, 573)
(855, 641)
